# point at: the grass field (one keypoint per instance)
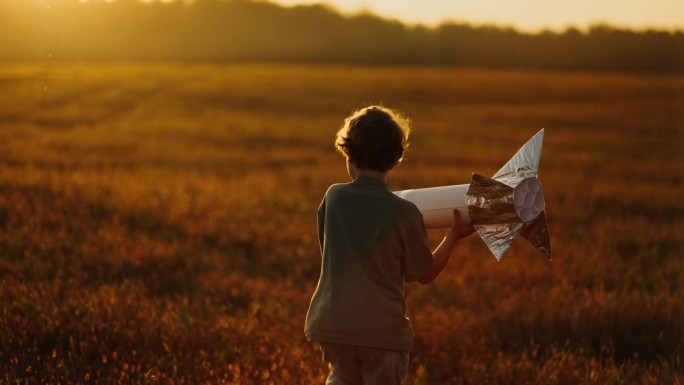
(157, 222)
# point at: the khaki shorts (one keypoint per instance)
(356, 365)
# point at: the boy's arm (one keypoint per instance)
(442, 253)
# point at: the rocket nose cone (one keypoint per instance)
(528, 199)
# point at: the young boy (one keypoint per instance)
(371, 242)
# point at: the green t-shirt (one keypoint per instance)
(372, 242)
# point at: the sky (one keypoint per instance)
(526, 15)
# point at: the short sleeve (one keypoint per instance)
(418, 258)
(321, 223)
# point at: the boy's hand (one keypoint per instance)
(460, 229)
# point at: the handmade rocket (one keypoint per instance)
(499, 208)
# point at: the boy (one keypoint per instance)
(371, 242)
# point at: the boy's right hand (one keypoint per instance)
(458, 228)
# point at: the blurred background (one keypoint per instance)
(647, 37)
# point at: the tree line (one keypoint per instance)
(261, 31)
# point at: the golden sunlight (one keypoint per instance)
(531, 15)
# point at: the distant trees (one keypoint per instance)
(257, 30)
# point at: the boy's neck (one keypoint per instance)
(356, 172)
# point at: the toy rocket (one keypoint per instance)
(499, 208)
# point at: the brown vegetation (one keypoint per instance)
(157, 222)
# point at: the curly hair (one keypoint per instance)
(374, 138)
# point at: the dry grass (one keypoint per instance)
(157, 222)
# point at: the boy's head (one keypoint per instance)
(374, 138)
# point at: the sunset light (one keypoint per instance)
(529, 15)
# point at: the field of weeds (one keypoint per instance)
(157, 222)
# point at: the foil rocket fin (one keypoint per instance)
(489, 201)
(537, 233)
(499, 237)
(524, 164)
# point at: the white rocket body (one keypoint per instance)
(500, 208)
(438, 203)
